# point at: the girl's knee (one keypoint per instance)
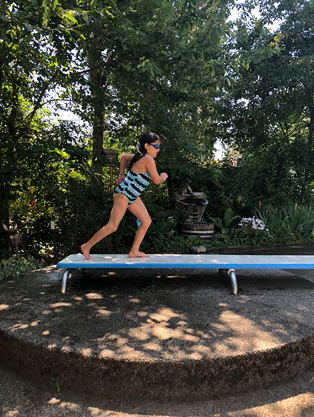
(112, 227)
(147, 222)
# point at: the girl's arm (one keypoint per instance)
(152, 170)
(125, 159)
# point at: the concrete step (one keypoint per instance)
(157, 334)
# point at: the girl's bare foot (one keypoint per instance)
(85, 252)
(138, 255)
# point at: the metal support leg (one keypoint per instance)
(64, 280)
(233, 278)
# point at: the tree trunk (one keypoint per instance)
(311, 126)
(98, 122)
(4, 213)
(305, 189)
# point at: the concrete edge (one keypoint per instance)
(186, 380)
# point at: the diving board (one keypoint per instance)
(181, 261)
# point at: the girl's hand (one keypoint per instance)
(120, 179)
(163, 176)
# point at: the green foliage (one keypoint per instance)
(80, 210)
(229, 219)
(172, 67)
(289, 222)
(269, 116)
(17, 265)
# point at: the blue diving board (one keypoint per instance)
(179, 261)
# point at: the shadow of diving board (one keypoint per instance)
(178, 261)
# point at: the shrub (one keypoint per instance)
(289, 222)
(16, 266)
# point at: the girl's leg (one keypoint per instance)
(139, 210)
(120, 205)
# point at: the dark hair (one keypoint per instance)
(148, 137)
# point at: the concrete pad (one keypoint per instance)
(141, 334)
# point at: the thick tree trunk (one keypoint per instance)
(98, 122)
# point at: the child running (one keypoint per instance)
(142, 169)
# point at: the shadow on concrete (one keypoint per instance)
(179, 336)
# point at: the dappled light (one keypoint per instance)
(156, 319)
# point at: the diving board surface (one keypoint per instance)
(190, 261)
(182, 261)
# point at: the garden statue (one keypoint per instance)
(15, 239)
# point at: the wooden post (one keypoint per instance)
(110, 154)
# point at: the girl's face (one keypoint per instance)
(153, 148)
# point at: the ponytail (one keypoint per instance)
(147, 137)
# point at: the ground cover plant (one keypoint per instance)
(17, 265)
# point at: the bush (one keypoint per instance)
(16, 266)
(289, 222)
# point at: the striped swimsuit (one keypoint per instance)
(133, 185)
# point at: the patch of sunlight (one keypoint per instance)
(141, 333)
(34, 323)
(87, 352)
(66, 349)
(201, 349)
(61, 304)
(97, 412)
(94, 296)
(135, 354)
(103, 312)
(152, 346)
(20, 327)
(4, 306)
(46, 312)
(69, 406)
(142, 313)
(300, 405)
(134, 300)
(190, 338)
(164, 315)
(241, 331)
(12, 413)
(105, 353)
(54, 401)
(163, 333)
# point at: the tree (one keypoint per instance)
(139, 63)
(270, 113)
(30, 68)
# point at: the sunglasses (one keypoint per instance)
(156, 146)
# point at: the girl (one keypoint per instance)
(127, 196)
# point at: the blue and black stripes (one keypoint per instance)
(134, 184)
